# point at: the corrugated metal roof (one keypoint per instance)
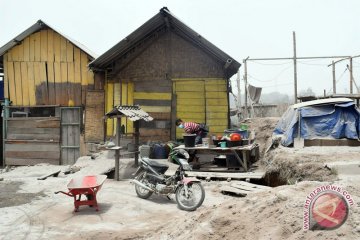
(133, 113)
(164, 18)
(37, 27)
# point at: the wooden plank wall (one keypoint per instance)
(32, 140)
(202, 100)
(153, 96)
(118, 94)
(46, 69)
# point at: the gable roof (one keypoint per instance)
(164, 18)
(35, 28)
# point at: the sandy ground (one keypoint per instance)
(29, 209)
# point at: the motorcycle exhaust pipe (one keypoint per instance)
(141, 185)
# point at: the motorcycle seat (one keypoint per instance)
(154, 163)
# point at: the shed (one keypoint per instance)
(172, 72)
(46, 81)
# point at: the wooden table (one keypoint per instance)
(238, 151)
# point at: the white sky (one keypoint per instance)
(256, 28)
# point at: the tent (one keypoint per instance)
(331, 118)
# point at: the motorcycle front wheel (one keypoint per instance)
(142, 192)
(191, 200)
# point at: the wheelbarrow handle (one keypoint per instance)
(64, 193)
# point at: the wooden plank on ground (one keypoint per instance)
(242, 184)
(232, 175)
(246, 188)
(231, 190)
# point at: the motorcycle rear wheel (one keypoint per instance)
(142, 192)
(196, 196)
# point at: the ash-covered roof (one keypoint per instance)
(167, 19)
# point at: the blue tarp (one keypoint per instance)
(332, 120)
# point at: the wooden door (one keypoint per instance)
(70, 134)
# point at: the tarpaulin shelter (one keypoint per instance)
(332, 118)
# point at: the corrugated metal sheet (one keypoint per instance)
(37, 27)
(164, 18)
(133, 113)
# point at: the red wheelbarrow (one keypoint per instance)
(85, 185)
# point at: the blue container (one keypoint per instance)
(159, 151)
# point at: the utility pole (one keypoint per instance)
(334, 77)
(246, 93)
(295, 68)
(238, 90)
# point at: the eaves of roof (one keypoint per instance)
(35, 28)
(164, 17)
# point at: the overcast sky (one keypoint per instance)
(256, 28)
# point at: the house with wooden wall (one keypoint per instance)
(172, 72)
(45, 72)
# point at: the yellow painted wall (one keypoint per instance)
(45, 68)
(202, 100)
(118, 94)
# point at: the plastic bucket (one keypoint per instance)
(144, 150)
(244, 126)
(206, 142)
(189, 140)
(160, 151)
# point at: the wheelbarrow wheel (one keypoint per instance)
(142, 192)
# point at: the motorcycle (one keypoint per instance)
(150, 178)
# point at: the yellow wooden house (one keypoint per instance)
(46, 82)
